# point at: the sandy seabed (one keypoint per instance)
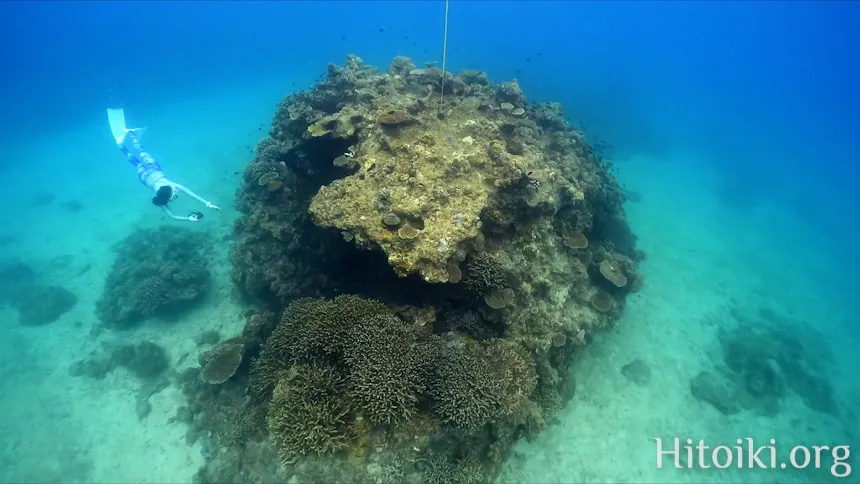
(703, 260)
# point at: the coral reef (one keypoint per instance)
(219, 407)
(477, 382)
(157, 273)
(436, 265)
(315, 330)
(384, 358)
(484, 274)
(358, 335)
(308, 412)
(390, 365)
(346, 375)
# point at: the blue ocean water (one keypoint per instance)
(732, 125)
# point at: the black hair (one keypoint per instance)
(162, 196)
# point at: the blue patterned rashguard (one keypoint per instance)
(148, 170)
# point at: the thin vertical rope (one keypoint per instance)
(444, 55)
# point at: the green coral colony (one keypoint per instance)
(423, 272)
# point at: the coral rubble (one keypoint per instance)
(435, 263)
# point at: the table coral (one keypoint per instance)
(220, 363)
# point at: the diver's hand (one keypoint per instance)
(195, 217)
(211, 205)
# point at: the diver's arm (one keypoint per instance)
(172, 215)
(195, 196)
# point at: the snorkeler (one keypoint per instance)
(148, 170)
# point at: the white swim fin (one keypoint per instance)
(116, 118)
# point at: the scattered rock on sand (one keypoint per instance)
(638, 372)
(709, 387)
(38, 305)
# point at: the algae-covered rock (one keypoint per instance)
(432, 184)
(437, 172)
